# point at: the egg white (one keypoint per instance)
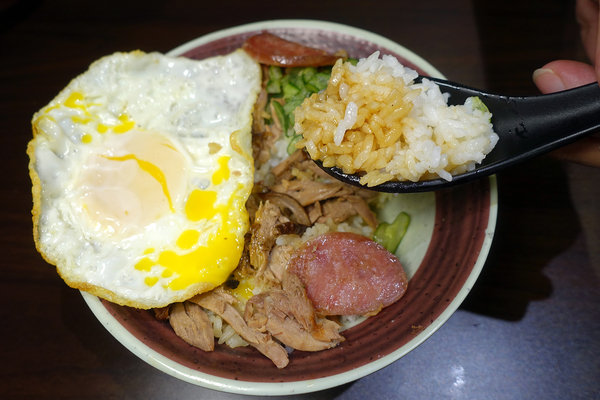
(141, 168)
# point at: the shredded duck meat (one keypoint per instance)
(191, 323)
(294, 195)
(288, 315)
(222, 304)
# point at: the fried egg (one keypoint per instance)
(141, 168)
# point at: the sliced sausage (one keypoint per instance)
(348, 274)
(270, 49)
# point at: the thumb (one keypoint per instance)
(562, 75)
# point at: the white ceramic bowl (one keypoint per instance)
(443, 253)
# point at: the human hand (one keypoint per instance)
(565, 74)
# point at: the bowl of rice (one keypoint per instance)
(442, 252)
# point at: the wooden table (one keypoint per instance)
(528, 330)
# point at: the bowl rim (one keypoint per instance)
(312, 24)
(189, 375)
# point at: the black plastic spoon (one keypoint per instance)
(528, 126)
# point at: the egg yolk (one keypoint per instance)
(244, 290)
(188, 239)
(76, 100)
(133, 180)
(222, 173)
(209, 262)
(85, 115)
(200, 205)
(125, 124)
(151, 169)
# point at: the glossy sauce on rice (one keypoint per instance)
(373, 119)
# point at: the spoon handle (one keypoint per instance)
(532, 125)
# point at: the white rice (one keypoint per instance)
(437, 140)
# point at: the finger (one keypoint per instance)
(563, 74)
(587, 13)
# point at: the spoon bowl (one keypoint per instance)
(527, 126)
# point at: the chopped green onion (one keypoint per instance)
(311, 88)
(320, 80)
(291, 104)
(289, 90)
(291, 86)
(275, 72)
(477, 104)
(389, 235)
(307, 73)
(273, 87)
(280, 114)
(292, 144)
(274, 82)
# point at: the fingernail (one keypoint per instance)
(547, 80)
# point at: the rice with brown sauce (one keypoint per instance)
(374, 119)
